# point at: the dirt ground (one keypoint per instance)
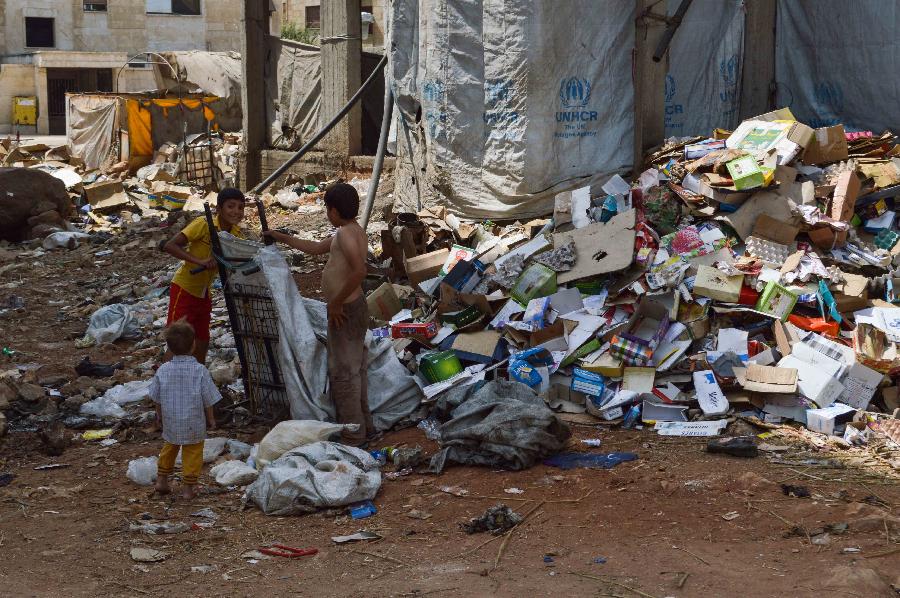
(675, 522)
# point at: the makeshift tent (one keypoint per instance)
(104, 128)
(510, 102)
(206, 73)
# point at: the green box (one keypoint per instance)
(776, 301)
(536, 281)
(440, 366)
(461, 319)
(745, 173)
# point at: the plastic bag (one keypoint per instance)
(142, 471)
(130, 392)
(238, 450)
(294, 433)
(431, 427)
(65, 239)
(102, 407)
(112, 322)
(233, 473)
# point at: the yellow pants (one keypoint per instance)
(191, 461)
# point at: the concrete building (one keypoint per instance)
(308, 14)
(50, 47)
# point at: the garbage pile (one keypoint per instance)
(44, 183)
(749, 275)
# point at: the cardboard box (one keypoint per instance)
(425, 330)
(766, 379)
(428, 265)
(607, 364)
(776, 301)
(846, 191)
(601, 247)
(715, 284)
(383, 302)
(108, 196)
(828, 144)
(757, 136)
(745, 173)
(827, 419)
(634, 343)
(457, 253)
(775, 230)
(656, 412)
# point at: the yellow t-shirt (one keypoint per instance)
(199, 246)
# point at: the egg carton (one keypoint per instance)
(768, 251)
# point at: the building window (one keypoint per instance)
(174, 7)
(94, 6)
(39, 32)
(313, 17)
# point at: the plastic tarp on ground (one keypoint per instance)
(302, 354)
(518, 100)
(500, 424)
(92, 126)
(314, 476)
(836, 62)
(703, 85)
(210, 73)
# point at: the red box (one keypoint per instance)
(420, 329)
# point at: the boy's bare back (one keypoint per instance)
(348, 249)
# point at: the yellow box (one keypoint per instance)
(24, 110)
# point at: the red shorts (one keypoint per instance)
(196, 311)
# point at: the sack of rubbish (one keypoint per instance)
(295, 433)
(238, 450)
(212, 448)
(130, 392)
(66, 239)
(314, 476)
(112, 322)
(233, 473)
(102, 407)
(142, 471)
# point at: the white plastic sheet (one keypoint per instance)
(511, 102)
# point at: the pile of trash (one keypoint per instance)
(46, 185)
(749, 275)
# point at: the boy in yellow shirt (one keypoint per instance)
(189, 296)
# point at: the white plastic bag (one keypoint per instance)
(233, 473)
(67, 239)
(130, 392)
(142, 471)
(102, 407)
(238, 450)
(112, 322)
(293, 433)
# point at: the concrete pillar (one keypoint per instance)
(341, 75)
(40, 90)
(649, 79)
(254, 51)
(758, 69)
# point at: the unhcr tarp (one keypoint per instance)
(511, 102)
(703, 85)
(836, 62)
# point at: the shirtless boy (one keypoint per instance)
(348, 314)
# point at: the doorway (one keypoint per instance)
(63, 81)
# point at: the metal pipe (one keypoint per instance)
(673, 23)
(379, 155)
(324, 131)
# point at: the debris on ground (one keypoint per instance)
(496, 520)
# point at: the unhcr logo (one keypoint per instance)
(574, 94)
